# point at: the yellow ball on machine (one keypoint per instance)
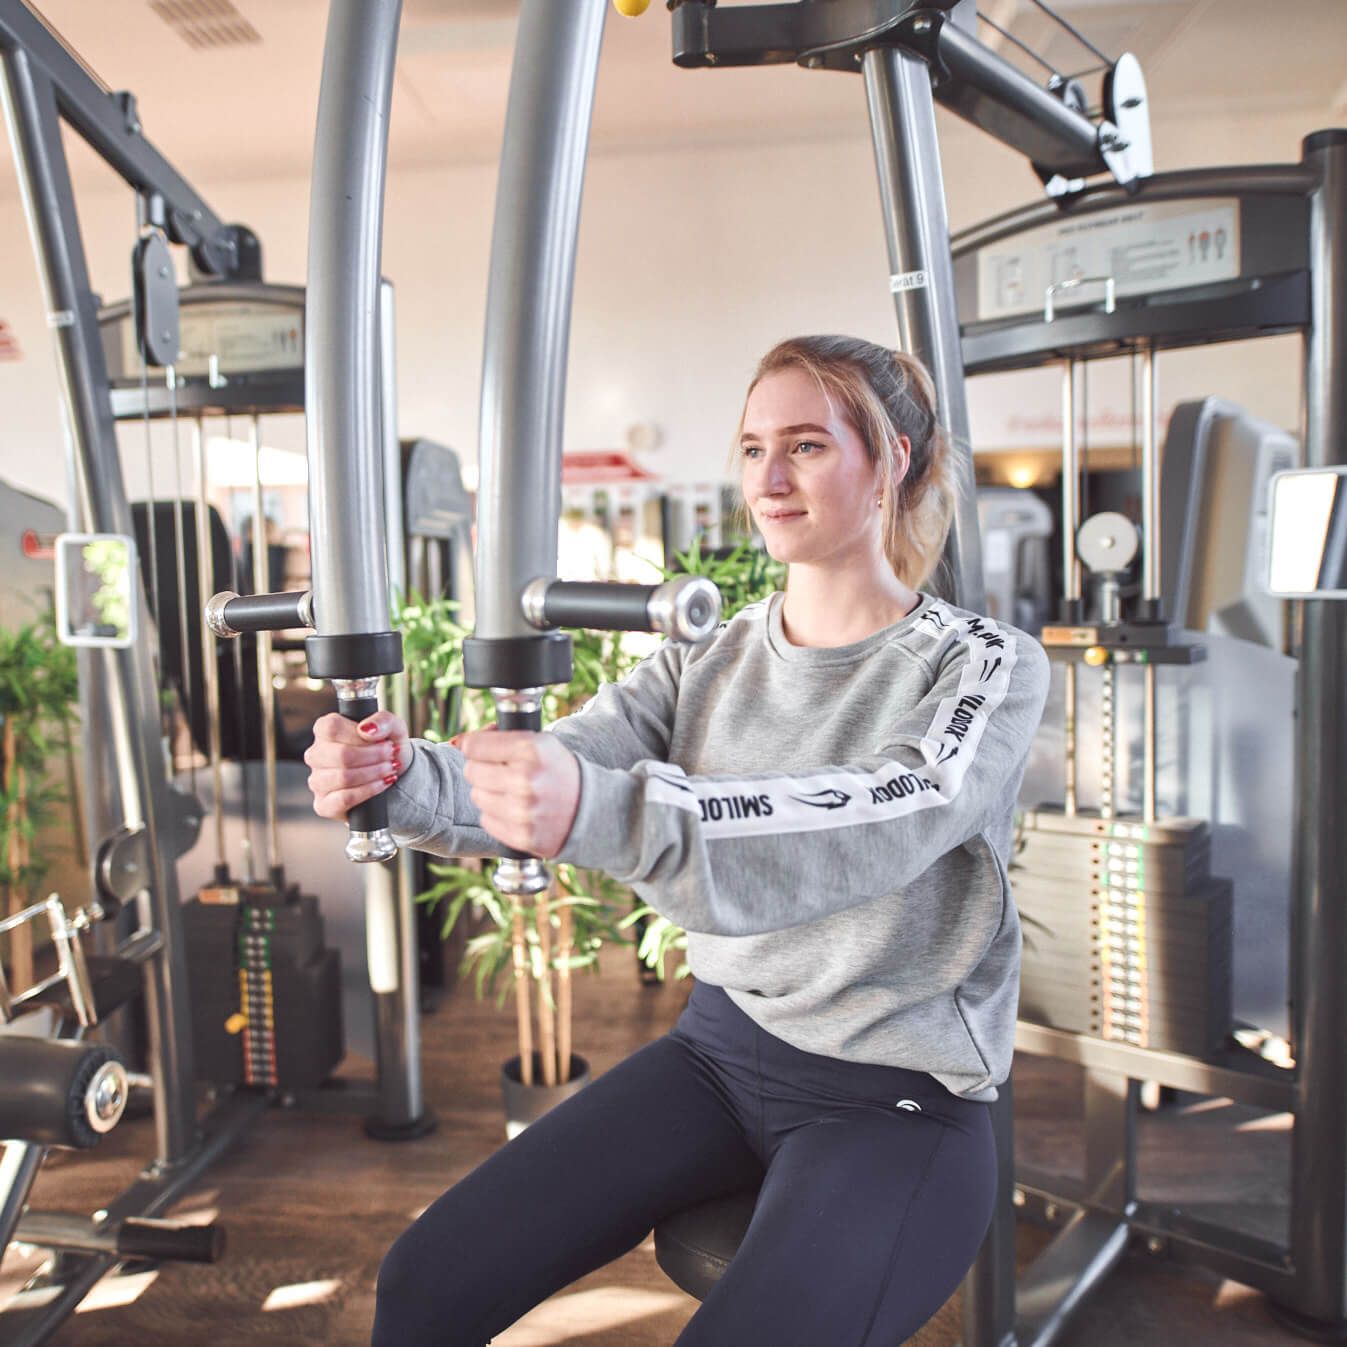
(631, 9)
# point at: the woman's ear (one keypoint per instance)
(902, 460)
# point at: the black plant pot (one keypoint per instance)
(527, 1103)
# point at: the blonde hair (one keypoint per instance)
(885, 394)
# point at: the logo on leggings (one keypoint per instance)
(910, 1105)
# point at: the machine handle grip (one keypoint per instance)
(686, 608)
(509, 719)
(369, 838)
(229, 614)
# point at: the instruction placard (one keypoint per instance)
(246, 338)
(1145, 248)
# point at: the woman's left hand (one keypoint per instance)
(526, 785)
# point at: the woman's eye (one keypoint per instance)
(809, 447)
(750, 450)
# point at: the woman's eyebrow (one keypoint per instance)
(805, 427)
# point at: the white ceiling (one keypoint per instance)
(246, 109)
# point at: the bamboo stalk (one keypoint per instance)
(547, 1021)
(11, 889)
(21, 938)
(565, 938)
(24, 972)
(521, 997)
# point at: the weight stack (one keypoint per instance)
(266, 990)
(1127, 935)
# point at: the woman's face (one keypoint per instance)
(806, 476)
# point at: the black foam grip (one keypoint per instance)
(43, 1085)
(518, 720)
(145, 1237)
(599, 605)
(265, 612)
(373, 814)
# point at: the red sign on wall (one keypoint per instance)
(38, 546)
(9, 343)
(592, 467)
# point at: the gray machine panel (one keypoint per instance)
(1217, 464)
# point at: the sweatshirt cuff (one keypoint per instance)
(414, 801)
(606, 834)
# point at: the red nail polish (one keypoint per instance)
(367, 727)
(391, 780)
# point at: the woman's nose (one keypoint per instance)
(775, 474)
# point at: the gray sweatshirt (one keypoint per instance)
(831, 826)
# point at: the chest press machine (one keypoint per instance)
(1290, 276)
(516, 650)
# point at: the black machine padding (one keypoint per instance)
(43, 1085)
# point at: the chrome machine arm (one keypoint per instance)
(523, 394)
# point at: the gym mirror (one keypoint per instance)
(1307, 533)
(95, 595)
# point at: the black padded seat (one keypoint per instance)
(696, 1245)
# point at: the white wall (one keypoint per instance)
(691, 263)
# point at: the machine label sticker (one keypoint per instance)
(907, 280)
(1145, 248)
(841, 797)
(61, 318)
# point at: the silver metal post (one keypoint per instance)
(341, 331)
(1319, 867)
(912, 198)
(1150, 568)
(341, 356)
(390, 919)
(1150, 484)
(118, 683)
(528, 313)
(1071, 571)
(205, 557)
(266, 699)
(1148, 746)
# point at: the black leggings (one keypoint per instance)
(876, 1192)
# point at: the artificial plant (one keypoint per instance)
(39, 689)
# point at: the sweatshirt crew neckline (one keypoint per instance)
(831, 655)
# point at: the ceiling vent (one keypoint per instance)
(206, 23)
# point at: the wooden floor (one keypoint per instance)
(310, 1205)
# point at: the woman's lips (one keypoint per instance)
(784, 518)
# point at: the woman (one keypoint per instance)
(822, 795)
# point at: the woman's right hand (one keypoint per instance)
(352, 761)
